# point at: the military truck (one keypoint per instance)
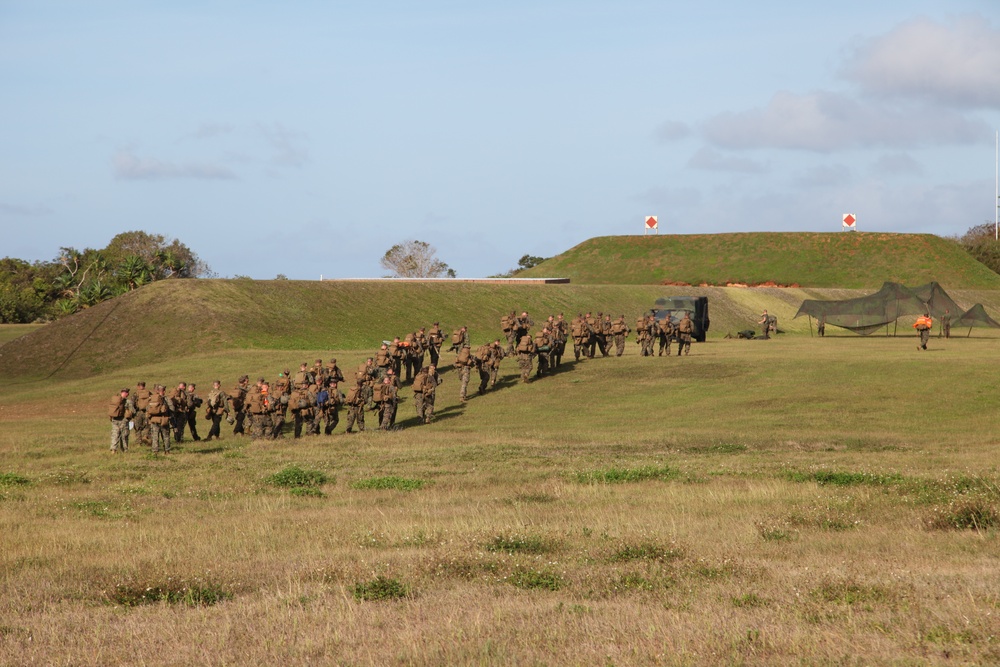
(674, 307)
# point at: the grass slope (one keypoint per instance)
(848, 260)
(172, 319)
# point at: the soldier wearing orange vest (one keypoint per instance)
(923, 326)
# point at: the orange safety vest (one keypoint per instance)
(923, 322)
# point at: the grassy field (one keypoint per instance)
(168, 319)
(854, 260)
(798, 501)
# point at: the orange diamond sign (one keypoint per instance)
(651, 222)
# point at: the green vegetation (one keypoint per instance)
(394, 483)
(380, 588)
(294, 477)
(854, 260)
(624, 475)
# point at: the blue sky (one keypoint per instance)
(306, 138)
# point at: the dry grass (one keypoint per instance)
(791, 520)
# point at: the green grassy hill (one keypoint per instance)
(171, 319)
(848, 260)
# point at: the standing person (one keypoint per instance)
(507, 327)
(543, 346)
(560, 333)
(423, 342)
(431, 383)
(522, 325)
(464, 363)
(418, 392)
(333, 372)
(435, 337)
(923, 325)
(482, 361)
(120, 411)
(217, 406)
(383, 360)
(666, 334)
(525, 354)
(159, 420)
(301, 410)
(140, 399)
(578, 328)
(593, 327)
(355, 401)
(496, 356)
(684, 329)
(237, 401)
(946, 323)
(177, 404)
(193, 403)
(331, 411)
(620, 331)
(387, 404)
(821, 326)
(256, 406)
(765, 322)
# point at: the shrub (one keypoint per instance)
(525, 544)
(170, 592)
(535, 579)
(395, 483)
(13, 479)
(965, 514)
(623, 475)
(295, 477)
(840, 478)
(380, 588)
(644, 551)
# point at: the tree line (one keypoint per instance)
(77, 279)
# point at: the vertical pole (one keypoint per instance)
(810, 326)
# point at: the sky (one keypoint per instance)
(307, 138)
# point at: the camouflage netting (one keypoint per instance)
(975, 317)
(866, 315)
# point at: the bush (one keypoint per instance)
(525, 544)
(170, 592)
(380, 588)
(396, 483)
(965, 514)
(623, 475)
(536, 579)
(13, 479)
(294, 477)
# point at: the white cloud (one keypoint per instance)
(957, 64)
(897, 164)
(671, 130)
(283, 143)
(825, 121)
(130, 167)
(712, 160)
(24, 211)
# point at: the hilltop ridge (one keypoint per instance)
(852, 260)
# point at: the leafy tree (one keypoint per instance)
(414, 259)
(980, 242)
(529, 261)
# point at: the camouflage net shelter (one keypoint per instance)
(866, 315)
(975, 317)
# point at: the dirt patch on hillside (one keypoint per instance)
(766, 283)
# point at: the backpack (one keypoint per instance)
(483, 353)
(156, 406)
(464, 356)
(354, 395)
(418, 381)
(505, 324)
(322, 397)
(524, 345)
(377, 393)
(116, 409)
(456, 338)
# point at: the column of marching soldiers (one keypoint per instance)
(311, 399)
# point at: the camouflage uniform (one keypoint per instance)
(559, 335)
(580, 335)
(301, 410)
(177, 404)
(434, 339)
(497, 355)
(525, 354)
(666, 334)
(120, 411)
(193, 403)
(141, 421)
(684, 329)
(236, 405)
(355, 402)
(482, 361)
(543, 346)
(619, 331)
(217, 406)
(331, 410)
(464, 371)
(159, 421)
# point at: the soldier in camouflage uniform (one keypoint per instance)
(159, 420)
(684, 330)
(177, 404)
(331, 408)
(298, 402)
(387, 404)
(356, 399)
(497, 355)
(543, 346)
(193, 403)
(619, 332)
(482, 361)
(120, 411)
(578, 327)
(666, 334)
(215, 408)
(560, 333)
(140, 398)
(525, 355)
(463, 364)
(435, 337)
(237, 401)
